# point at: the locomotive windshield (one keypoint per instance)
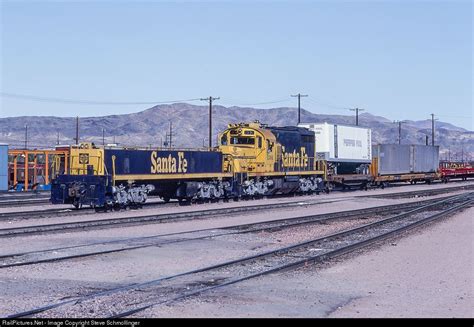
(242, 140)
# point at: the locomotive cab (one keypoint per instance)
(248, 148)
(86, 159)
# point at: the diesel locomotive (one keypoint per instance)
(251, 159)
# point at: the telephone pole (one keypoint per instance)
(357, 114)
(103, 136)
(26, 136)
(432, 129)
(210, 99)
(57, 142)
(171, 134)
(299, 95)
(399, 130)
(77, 130)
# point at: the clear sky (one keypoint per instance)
(398, 59)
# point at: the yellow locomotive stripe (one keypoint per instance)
(288, 173)
(170, 176)
(137, 177)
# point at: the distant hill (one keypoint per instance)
(190, 127)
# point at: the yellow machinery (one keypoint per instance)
(258, 150)
(248, 149)
(85, 158)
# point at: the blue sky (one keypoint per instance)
(398, 59)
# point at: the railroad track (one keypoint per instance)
(132, 243)
(429, 192)
(24, 202)
(55, 212)
(168, 217)
(134, 298)
(61, 212)
(19, 195)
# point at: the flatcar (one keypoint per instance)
(455, 170)
(251, 159)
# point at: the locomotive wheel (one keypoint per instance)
(77, 204)
(166, 199)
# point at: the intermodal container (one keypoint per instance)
(396, 159)
(340, 143)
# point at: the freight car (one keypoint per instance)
(455, 170)
(347, 151)
(252, 159)
(404, 163)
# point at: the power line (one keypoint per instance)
(85, 102)
(258, 103)
(324, 104)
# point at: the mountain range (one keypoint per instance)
(151, 127)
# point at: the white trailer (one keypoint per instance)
(340, 143)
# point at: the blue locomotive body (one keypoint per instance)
(251, 160)
(101, 177)
(123, 162)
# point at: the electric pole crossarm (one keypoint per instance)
(210, 99)
(357, 114)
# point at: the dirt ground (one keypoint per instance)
(429, 273)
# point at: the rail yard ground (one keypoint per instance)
(114, 269)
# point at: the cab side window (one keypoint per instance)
(269, 146)
(259, 142)
(224, 140)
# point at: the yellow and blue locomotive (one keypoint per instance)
(251, 160)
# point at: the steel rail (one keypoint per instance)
(155, 218)
(239, 262)
(241, 229)
(429, 192)
(311, 259)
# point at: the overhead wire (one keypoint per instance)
(86, 102)
(324, 104)
(232, 102)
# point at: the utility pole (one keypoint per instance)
(210, 99)
(171, 133)
(400, 129)
(299, 95)
(26, 136)
(77, 130)
(432, 129)
(357, 114)
(57, 141)
(103, 137)
(399, 132)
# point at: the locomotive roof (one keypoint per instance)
(301, 130)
